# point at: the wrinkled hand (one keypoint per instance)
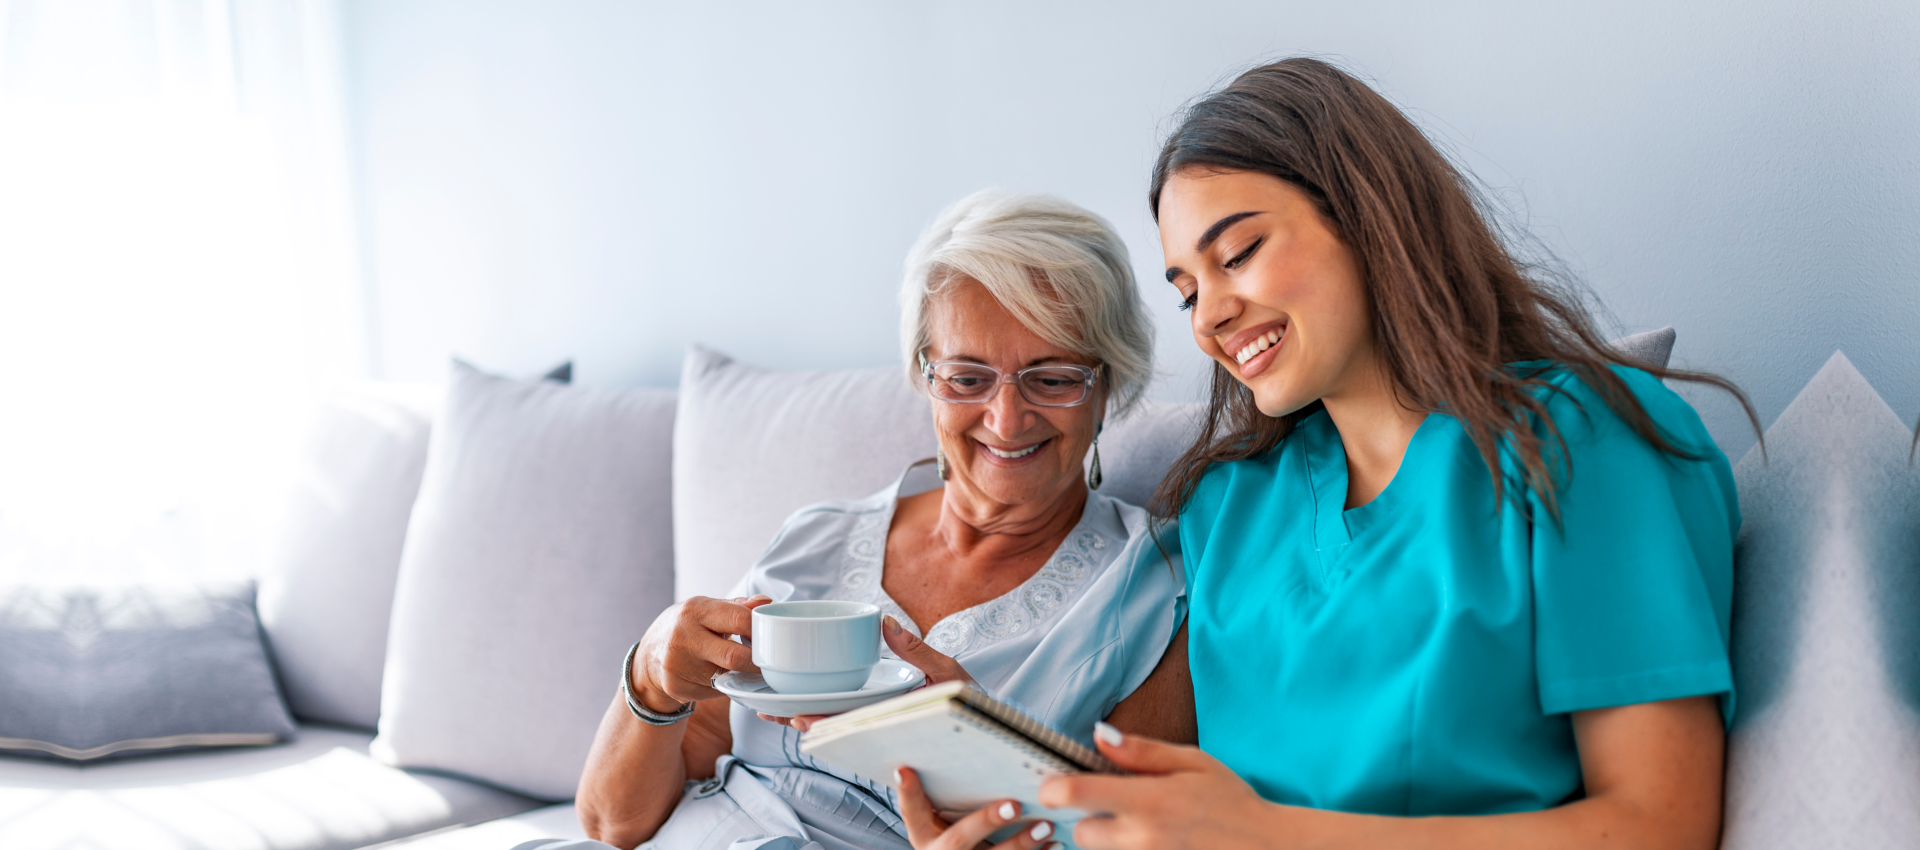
(1180, 798)
(687, 645)
(928, 831)
(937, 665)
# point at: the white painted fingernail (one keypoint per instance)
(1040, 830)
(1107, 734)
(1007, 811)
(899, 776)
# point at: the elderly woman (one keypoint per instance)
(995, 560)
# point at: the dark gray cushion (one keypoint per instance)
(92, 672)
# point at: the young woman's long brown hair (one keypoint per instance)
(1452, 305)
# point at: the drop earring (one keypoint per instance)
(940, 462)
(1093, 472)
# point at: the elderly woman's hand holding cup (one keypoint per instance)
(804, 647)
(689, 644)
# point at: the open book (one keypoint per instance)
(969, 749)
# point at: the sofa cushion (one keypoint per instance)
(326, 590)
(540, 546)
(559, 821)
(320, 792)
(91, 672)
(1136, 451)
(753, 445)
(1823, 748)
(1654, 348)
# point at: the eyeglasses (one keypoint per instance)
(960, 382)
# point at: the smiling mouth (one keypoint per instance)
(1261, 343)
(1015, 454)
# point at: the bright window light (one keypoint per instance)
(175, 275)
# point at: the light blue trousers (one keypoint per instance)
(727, 812)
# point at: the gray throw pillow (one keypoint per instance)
(87, 673)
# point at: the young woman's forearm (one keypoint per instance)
(1652, 773)
(635, 772)
(1592, 823)
(1653, 777)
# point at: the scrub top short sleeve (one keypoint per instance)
(1420, 654)
(1632, 581)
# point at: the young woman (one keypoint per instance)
(1459, 574)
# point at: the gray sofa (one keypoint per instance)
(447, 652)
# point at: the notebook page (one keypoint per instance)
(965, 761)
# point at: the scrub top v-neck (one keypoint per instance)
(1421, 654)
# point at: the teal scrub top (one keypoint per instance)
(1420, 654)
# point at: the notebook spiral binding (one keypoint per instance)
(1076, 753)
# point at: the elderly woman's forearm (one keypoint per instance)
(633, 778)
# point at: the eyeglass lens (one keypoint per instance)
(970, 383)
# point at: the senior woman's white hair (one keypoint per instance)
(1059, 269)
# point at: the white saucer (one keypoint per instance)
(891, 677)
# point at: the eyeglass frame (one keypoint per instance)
(1001, 378)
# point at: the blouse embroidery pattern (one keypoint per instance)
(1012, 614)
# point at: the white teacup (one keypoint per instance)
(816, 647)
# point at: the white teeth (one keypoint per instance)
(1259, 344)
(1012, 455)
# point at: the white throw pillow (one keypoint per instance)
(754, 445)
(540, 547)
(1826, 733)
(326, 591)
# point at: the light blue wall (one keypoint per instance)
(610, 181)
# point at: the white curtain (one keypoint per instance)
(177, 270)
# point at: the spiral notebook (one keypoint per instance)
(969, 749)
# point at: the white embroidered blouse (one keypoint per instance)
(1066, 646)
